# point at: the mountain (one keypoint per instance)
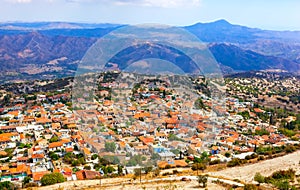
(239, 59)
(284, 44)
(53, 49)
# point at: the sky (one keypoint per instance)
(265, 14)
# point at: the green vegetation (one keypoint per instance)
(236, 162)
(173, 137)
(199, 166)
(53, 178)
(135, 160)
(203, 179)
(74, 160)
(250, 187)
(54, 139)
(245, 114)
(279, 179)
(7, 185)
(110, 146)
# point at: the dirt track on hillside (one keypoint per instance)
(267, 167)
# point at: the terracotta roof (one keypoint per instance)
(37, 176)
(70, 149)
(175, 163)
(38, 156)
(43, 120)
(3, 153)
(87, 174)
(55, 144)
(86, 151)
(4, 167)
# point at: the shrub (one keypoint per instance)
(284, 174)
(214, 162)
(260, 158)
(227, 154)
(250, 187)
(290, 149)
(31, 184)
(235, 162)
(259, 178)
(248, 157)
(87, 167)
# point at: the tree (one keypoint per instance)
(110, 146)
(227, 154)
(54, 139)
(199, 166)
(147, 169)
(137, 172)
(120, 170)
(94, 156)
(26, 180)
(110, 169)
(50, 179)
(54, 156)
(203, 179)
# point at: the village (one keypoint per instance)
(137, 129)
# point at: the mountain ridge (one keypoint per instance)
(53, 52)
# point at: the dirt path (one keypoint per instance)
(267, 167)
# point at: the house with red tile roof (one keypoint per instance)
(87, 174)
(38, 158)
(55, 146)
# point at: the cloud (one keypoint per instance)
(160, 3)
(145, 3)
(27, 1)
(19, 1)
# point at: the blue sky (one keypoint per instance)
(266, 14)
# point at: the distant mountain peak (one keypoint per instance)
(222, 22)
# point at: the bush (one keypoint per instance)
(259, 178)
(248, 157)
(290, 149)
(50, 179)
(280, 178)
(250, 187)
(254, 156)
(214, 162)
(31, 184)
(260, 158)
(235, 162)
(284, 174)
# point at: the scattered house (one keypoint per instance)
(38, 158)
(87, 174)
(55, 146)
